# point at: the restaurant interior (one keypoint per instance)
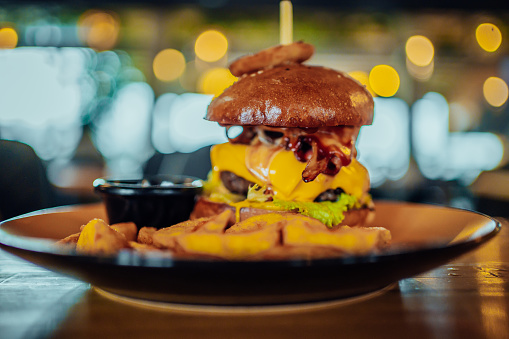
(120, 89)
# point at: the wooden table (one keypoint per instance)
(467, 298)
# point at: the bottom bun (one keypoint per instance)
(206, 208)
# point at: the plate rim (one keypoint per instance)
(134, 259)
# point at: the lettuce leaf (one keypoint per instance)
(328, 212)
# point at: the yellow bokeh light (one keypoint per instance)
(384, 80)
(98, 29)
(169, 64)
(211, 46)
(419, 50)
(488, 36)
(495, 91)
(363, 78)
(8, 37)
(215, 81)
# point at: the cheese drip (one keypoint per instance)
(280, 171)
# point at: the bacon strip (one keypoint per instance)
(315, 165)
(324, 150)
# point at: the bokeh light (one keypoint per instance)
(211, 46)
(384, 80)
(8, 37)
(122, 135)
(169, 64)
(430, 133)
(215, 81)
(488, 36)
(44, 35)
(187, 130)
(421, 73)
(419, 50)
(384, 146)
(42, 90)
(99, 29)
(89, 82)
(363, 78)
(495, 91)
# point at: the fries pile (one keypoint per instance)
(268, 236)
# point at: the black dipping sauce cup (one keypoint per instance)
(157, 201)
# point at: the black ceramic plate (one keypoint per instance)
(424, 237)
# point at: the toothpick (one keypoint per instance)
(285, 22)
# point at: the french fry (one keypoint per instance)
(256, 223)
(348, 240)
(273, 236)
(145, 235)
(250, 238)
(128, 229)
(98, 238)
(70, 240)
(229, 246)
(216, 224)
(143, 248)
(165, 237)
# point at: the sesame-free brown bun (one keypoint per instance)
(294, 95)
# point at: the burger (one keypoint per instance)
(291, 131)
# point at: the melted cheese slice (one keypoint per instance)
(279, 169)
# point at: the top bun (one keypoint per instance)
(294, 95)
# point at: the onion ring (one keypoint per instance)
(296, 52)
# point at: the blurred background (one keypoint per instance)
(91, 89)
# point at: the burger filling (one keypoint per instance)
(310, 171)
(241, 186)
(324, 150)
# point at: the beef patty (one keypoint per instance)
(239, 185)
